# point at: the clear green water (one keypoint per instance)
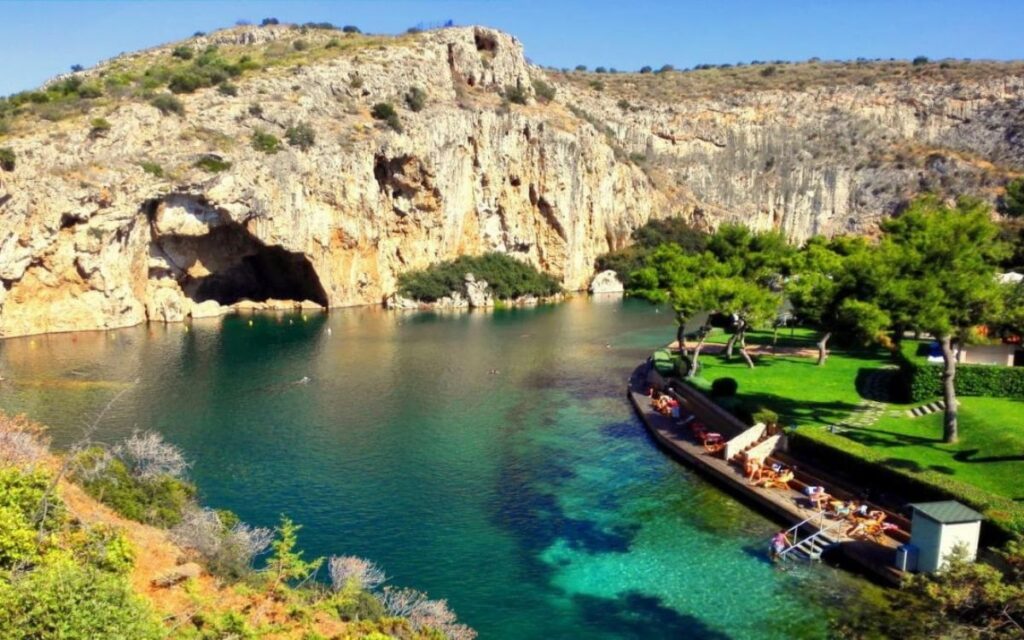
(531, 499)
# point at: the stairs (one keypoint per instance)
(927, 409)
(811, 547)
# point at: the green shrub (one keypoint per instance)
(301, 135)
(508, 278)
(357, 604)
(186, 82)
(765, 416)
(300, 45)
(99, 127)
(152, 169)
(265, 142)
(227, 89)
(7, 159)
(416, 99)
(17, 538)
(61, 599)
(724, 388)
(1012, 203)
(212, 163)
(158, 500)
(332, 43)
(255, 110)
(351, 28)
(167, 103)
(920, 60)
(597, 85)
(515, 93)
(386, 111)
(104, 548)
(183, 52)
(543, 90)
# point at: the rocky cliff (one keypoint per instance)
(120, 211)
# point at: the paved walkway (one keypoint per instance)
(875, 394)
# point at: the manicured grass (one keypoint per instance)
(801, 392)
(989, 455)
(983, 469)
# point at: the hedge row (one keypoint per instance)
(870, 468)
(923, 381)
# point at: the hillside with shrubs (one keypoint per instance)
(110, 542)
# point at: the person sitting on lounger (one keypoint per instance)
(752, 468)
(816, 496)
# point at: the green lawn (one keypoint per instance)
(801, 392)
(984, 468)
(990, 454)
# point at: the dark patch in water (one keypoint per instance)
(637, 615)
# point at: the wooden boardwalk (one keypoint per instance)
(789, 505)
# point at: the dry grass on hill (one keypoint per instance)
(717, 81)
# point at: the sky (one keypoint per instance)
(42, 38)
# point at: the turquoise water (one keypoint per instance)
(529, 497)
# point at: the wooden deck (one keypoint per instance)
(788, 506)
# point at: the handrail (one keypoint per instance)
(821, 532)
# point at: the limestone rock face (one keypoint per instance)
(478, 292)
(606, 282)
(91, 240)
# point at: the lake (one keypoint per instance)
(490, 459)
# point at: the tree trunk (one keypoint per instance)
(741, 338)
(694, 364)
(950, 432)
(823, 348)
(680, 332)
(729, 345)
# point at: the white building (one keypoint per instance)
(939, 527)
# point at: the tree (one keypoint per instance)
(833, 288)
(1012, 202)
(286, 564)
(645, 69)
(939, 266)
(748, 303)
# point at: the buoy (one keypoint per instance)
(304, 318)
(250, 323)
(329, 332)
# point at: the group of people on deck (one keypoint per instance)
(663, 403)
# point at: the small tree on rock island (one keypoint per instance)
(939, 264)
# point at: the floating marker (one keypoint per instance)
(250, 323)
(304, 318)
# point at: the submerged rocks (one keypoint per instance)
(606, 282)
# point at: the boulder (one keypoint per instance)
(208, 309)
(478, 292)
(396, 301)
(606, 282)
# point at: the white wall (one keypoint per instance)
(935, 541)
(998, 354)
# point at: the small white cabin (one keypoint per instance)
(939, 527)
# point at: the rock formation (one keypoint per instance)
(606, 282)
(164, 216)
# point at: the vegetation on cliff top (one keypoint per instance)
(717, 80)
(508, 278)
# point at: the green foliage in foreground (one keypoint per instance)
(157, 500)
(508, 278)
(70, 583)
(64, 599)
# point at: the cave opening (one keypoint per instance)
(229, 264)
(271, 273)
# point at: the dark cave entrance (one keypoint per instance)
(229, 265)
(270, 273)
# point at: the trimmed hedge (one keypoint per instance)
(923, 381)
(868, 467)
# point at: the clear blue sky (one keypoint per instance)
(40, 39)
